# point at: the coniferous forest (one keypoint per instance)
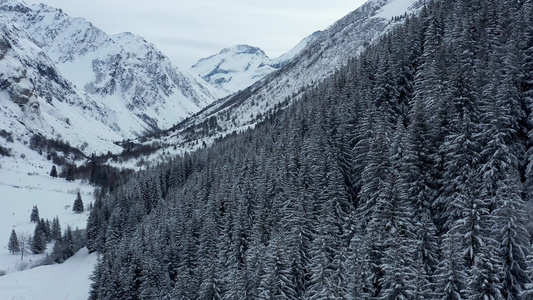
(406, 175)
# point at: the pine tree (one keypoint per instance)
(80, 239)
(68, 243)
(34, 217)
(450, 276)
(78, 204)
(13, 245)
(513, 238)
(485, 280)
(376, 188)
(53, 172)
(400, 260)
(56, 229)
(38, 242)
(95, 226)
(503, 154)
(48, 230)
(57, 251)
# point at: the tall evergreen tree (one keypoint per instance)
(38, 242)
(67, 243)
(13, 245)
(451, 275)
(34, 217)
(53, 172)
(78, 204)
(56, 229)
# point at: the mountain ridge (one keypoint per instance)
(65, 79)
(119, 68)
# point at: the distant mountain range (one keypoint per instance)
(63, 78)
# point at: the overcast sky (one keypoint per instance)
(187, 30)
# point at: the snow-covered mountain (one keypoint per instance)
(36, 99)
(238, 67)
(326, 52)
(234, 68)
(131, 85)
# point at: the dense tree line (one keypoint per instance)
(56, 150)
(406, 175)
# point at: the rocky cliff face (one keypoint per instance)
(36, 99)
(125, 73)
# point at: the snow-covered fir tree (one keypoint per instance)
(13, 245)
(78, 204)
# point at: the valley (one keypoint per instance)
(388, 156)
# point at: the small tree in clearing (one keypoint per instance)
(34, 217)
(13, 245)
(78, 205)
(53, 172)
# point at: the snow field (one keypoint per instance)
(69, 281)
(23, 184)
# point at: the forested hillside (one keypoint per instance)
(407, 175)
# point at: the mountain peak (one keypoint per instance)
(14, 5)
(238, 67)
(234, 68)
(243, 49)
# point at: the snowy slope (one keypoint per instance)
(24, 182)
(70, 280)
(238, 67)
(391, 8)
(136, 84)
(285, 58)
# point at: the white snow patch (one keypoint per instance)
(394, 9)
(69, 280)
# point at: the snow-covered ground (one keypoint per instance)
(394, 8)
(23, 184)
(69, 280)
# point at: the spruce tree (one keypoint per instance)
(13, 245)
(53, 172)
(485, 280)
(67, 243)
(57, 251)
(34, 217)
(47, 230)
(38, 242)
(56, 229)
(78, 204)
